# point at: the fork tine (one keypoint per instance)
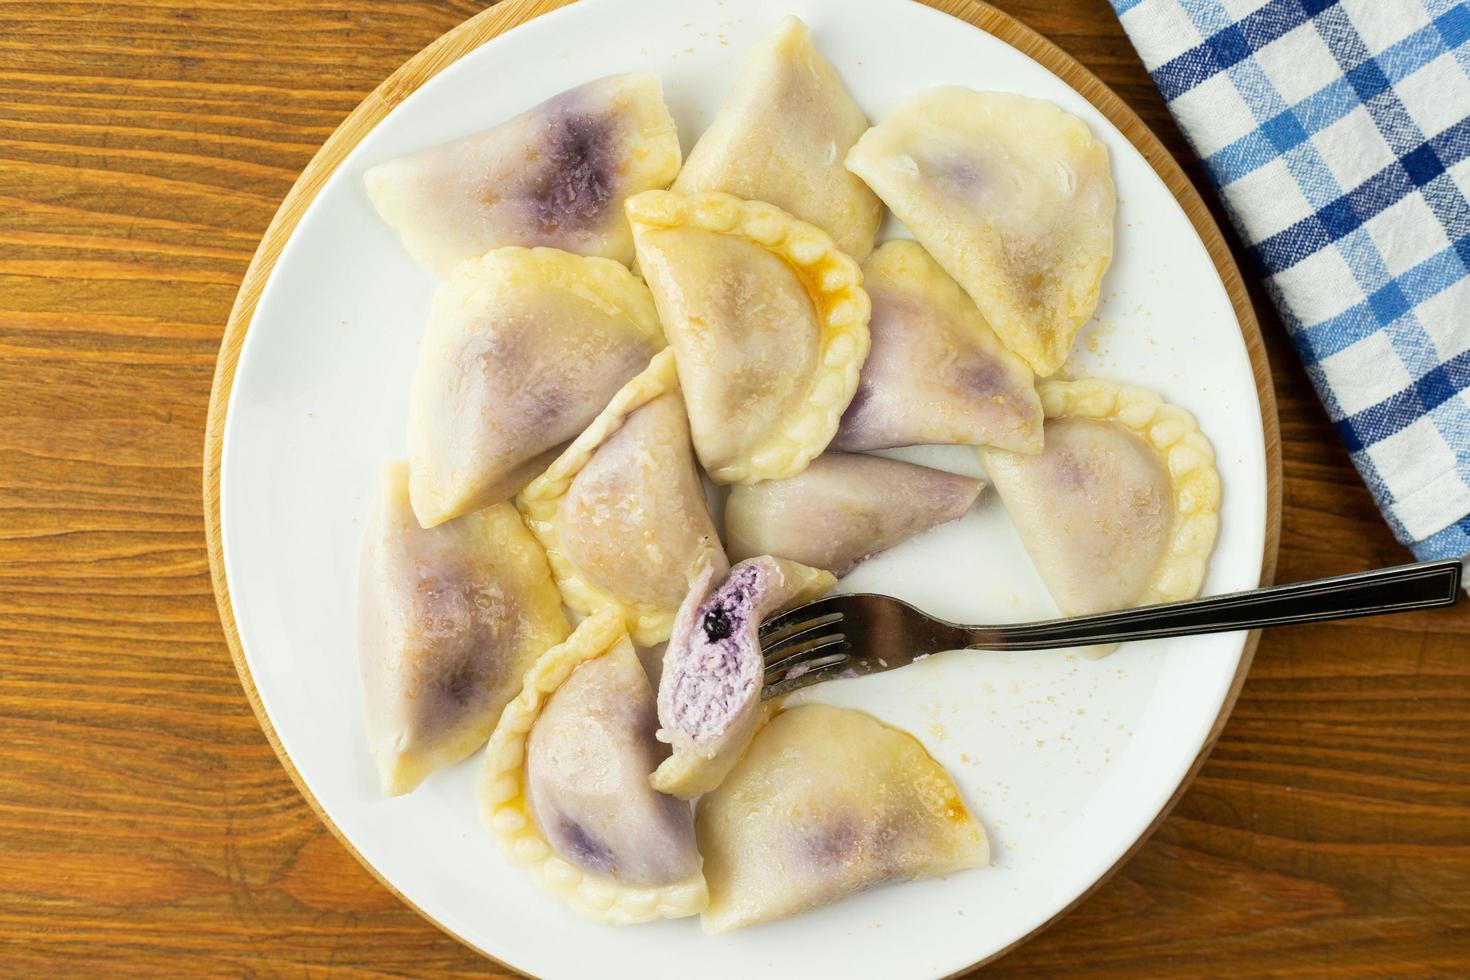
(803, 633)
(779, 626)
(788, 656)
(835, 668)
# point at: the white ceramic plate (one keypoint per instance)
(1066, 760)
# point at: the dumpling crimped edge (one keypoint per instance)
(834, 282)
(1175, 436)
(541, 500)
(507, 815)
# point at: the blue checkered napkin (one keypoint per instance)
(1338, 134)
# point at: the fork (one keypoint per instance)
(847, 635)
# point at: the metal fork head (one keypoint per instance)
(864, 634)
(848, 635)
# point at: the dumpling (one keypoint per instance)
(448, 621)
(555, 175)
(842, 509)
(565, 786)
(936, 374)
(710, 690)
(1015, 199)
(524, 348)
(826, 803)
(1122, 506)
(768, 322)
(781, 136)
(622, 513)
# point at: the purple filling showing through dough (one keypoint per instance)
(575, 186)
(580, 846)
(841, 841)
(719, 672)
(466, 627)
(854, 416)
(985, 379)
(957, 176)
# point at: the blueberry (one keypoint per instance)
(717, 625)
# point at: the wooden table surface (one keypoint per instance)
(145, 824)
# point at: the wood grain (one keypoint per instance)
(144, 821)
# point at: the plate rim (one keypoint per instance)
(481, 28)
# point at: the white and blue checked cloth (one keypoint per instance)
(1338, 134)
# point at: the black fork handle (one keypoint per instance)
(1425, 585)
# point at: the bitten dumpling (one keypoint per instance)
(622, 512)
(565, 786)
(936, 373)
(1012, 196)
(1121, 507)
(710, 690)
(781, 137)
(828, 802)
(524, 348)
(843, 509)
(448, 621)
(768, 322)
(555, 175)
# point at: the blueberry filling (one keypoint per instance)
(985, 378)
(717, 625)
(575, 186)
(958, 176)
(465, 683)
(584, 848)
(859, 403)
(721, 665)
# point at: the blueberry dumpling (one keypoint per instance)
(781, 136)
(449, 619)
(709, 693)
(565, 786)
(622, 512)
(828, 802)
(768, 322)
(936, 373)
(842, 509)
(1122, 506)
(1012, 196)
(524, 348)
(555, 175)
